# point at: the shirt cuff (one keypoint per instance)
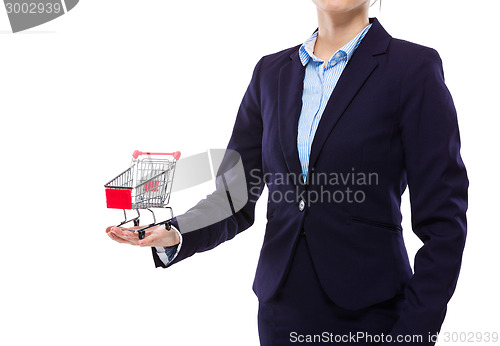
(162, 251)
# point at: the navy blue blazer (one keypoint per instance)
(390, 115)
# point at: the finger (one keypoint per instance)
(115, 230)
(148, 231)
(129, 234)
(118, 231)
(120, 240)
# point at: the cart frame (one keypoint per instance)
(146, 184)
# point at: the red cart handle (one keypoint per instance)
(175, 154)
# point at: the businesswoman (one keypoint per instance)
(350, 118)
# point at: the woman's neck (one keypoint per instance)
(335, 30)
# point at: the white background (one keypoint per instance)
(79, 94)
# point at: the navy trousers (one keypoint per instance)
(301, 312)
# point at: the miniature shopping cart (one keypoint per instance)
(146, 184)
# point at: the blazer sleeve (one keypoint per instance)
(245, 146)
(438, 184)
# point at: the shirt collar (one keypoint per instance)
(307, 48)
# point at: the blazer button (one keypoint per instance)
(302, 205)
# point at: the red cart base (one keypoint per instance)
(119, 198)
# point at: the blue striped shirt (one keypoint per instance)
(319, 82)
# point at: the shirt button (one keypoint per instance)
(302, 205)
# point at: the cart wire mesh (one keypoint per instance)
(149, 180)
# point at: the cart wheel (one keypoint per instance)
(136, 222)
(168, 226)
(142, 233)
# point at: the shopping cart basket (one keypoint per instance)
(145, 184)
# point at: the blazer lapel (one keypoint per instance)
(290, 85)
(357, 71)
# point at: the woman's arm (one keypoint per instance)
(229, 204)
(438, 185)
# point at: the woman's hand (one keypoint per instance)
(155, 236)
